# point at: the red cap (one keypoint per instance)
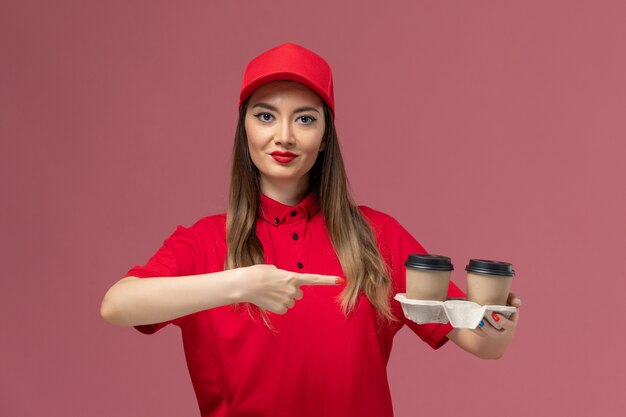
(289, 62)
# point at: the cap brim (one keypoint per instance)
(286, 76)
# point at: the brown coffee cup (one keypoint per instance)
(427, 277)
(489, 282)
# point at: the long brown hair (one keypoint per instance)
(352, 238)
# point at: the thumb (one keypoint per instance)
(514, 300)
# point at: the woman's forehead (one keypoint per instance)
(280, 90)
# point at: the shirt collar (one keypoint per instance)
(277, 213)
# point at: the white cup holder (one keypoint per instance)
(461, 314)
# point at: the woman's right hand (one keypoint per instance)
(276, 289)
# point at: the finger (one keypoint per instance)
(489, 329)
(298, 295)
(479, 330)
(510, 323)
(316, 279)
(279, 308)
(514, 300)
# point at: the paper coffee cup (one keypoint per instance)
(427, 277)
(489, 282)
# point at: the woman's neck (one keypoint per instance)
(289, 194)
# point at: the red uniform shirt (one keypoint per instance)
(318, 363)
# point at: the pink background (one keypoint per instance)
(489, 129)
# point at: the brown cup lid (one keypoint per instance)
(429, 262)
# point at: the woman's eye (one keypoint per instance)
(265, 117)
(306, 119)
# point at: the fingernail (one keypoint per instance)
(482, 323)
(340, 281)
(519, 301)
(495, 316)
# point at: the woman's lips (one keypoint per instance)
(283, 159)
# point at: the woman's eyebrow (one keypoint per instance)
(298, 110)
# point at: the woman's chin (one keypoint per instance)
(283, 176)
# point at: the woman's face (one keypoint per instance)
(284, 117)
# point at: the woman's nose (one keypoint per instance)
(284, 134)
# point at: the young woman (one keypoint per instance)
(285, 302)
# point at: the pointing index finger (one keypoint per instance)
(317, 279)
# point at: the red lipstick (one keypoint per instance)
(283, 157)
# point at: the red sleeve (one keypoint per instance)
(403, 244)
(176, 257)
(434, 333)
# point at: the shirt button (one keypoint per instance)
(276, 220)
(293, 213)
(300, 265)
(295, 236)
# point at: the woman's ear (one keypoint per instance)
(322, 146)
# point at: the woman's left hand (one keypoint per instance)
(507, 325)
(486, 341)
